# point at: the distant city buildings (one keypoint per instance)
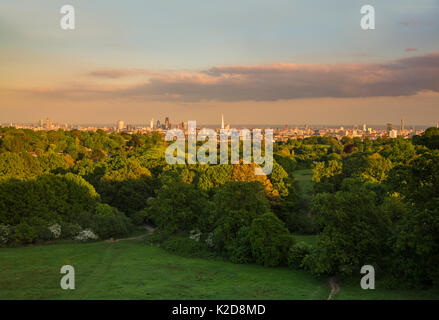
(120, 125)
(281, 133)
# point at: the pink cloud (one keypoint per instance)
(271, 82)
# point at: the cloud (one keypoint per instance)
(119, 73)
(411, 49)
(271, 82)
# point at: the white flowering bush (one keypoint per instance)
(195, 235)
(4, 233)
(210, 240)
(55, 229)
(86, 235)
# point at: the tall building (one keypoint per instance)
(120, 125)
(48, 124)
(389, 127)
(152, 124)
(364, 127)
(402, 124)
(167, 125)
(222, 121)
(158, 124)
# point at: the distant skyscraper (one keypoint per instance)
(389, 127)
(167, 124)
(158, 124)
(151, 125)
(120, 125)
(402, 124)
(48, 124)
(222, 121)
(364, 127)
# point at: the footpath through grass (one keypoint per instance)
(134, 270)
(303, 178)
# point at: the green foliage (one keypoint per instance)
(416, 254)
(239, 248)
(18, 166)
(328, 173)
(270, 240)
(186, 247)
(376, 168)
(430, 138)
(70, 230)
(354, 230)
(236, 205)
(247, 196)
(22, 233)
(109, 222)
(297, 254)
(178, 206)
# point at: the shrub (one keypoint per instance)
(55, 229)
(270, 240)
(70, 230)
(187, 247)
(139, 218)
(109, 225)
(239, 251)
(86, 235)
(43, 233)
(23, 233)
(157, 238)
(297, 254)
(4, 234)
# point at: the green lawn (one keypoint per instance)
(303, 178)
(135, 270)
(351, 291)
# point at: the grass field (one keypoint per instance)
(135, 270)
(303, 178)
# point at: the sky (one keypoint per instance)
(256, 62)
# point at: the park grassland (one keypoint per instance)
(133, 269)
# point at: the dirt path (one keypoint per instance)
(148, 228)
(335, 288)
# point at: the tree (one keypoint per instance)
(430, 138)
(354, 231)
(178, 206)
(235, 205)
(270, 240)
